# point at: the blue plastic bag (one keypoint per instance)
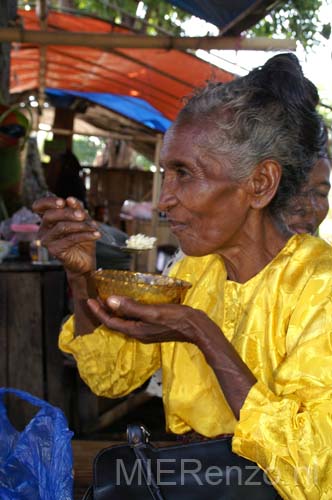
(37, 463)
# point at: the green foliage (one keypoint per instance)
(294, 19)
(142, 162)
(156, 13)
(165, 16)
(86, 148)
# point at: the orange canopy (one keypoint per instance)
(161, 77)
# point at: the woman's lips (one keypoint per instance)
(176, 225)
(302, 229)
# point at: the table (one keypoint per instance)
(33, 304)
(32, 307)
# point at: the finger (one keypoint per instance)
(74, 203)
(144, 332)
(59, 246)
(147, 313)
(43, 204)
(99, 311)
(128, 327)
(100, 301)
(138, 330)
(153, 323)
(63, 229)
(52, 216)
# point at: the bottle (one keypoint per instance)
(38, 253)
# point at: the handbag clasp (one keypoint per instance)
(137, 434)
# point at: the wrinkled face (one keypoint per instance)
(309, 208)
(205, 208)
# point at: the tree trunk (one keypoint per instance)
(8, 10)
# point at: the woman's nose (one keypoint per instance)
(167, 199)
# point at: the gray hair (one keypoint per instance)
(269, 113)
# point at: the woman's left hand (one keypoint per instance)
(177, 323)
(152, 323)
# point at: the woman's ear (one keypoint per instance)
(264, 182)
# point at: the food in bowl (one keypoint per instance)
(140, 242)
(147, 288)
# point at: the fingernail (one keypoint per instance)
(78, 214)
(96, 234)
(113, 302)
(59, 203)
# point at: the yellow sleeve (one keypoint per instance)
(110, 363)
(287, 428)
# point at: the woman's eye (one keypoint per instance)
(182, 172)
(321, 194)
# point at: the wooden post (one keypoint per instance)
(7, 15)
(64, 121)
(42, 14)
(155, 199)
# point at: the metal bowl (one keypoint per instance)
(147, 288)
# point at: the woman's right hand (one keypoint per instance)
(64, 231)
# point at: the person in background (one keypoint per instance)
(33, 182)
(68, 181)
(307, 210)
(249, 351)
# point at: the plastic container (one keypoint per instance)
(26, 232)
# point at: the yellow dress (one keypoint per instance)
(280, 322)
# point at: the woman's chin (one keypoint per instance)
(194, 250)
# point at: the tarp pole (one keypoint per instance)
(152, 258)
(112, 135)
(106, 41)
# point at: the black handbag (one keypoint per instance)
(206, 470)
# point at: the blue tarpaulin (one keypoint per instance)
(221, 13)
(132, 107)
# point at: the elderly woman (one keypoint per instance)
(249, 352)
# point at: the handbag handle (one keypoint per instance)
(26, 397)
(88, 495)
(138, 437)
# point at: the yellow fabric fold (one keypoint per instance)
(290, 439)
(280, 323)
(111, 364)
